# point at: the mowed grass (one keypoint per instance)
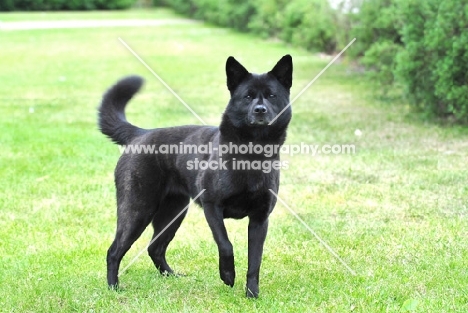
(395, 211)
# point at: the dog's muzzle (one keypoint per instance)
(259, 115)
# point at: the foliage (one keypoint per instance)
(433, 66)
(304, 23)
(268, 18)
(49, 5)
(421, 46)
(377, 21)
(380, 59)
(228, 13)
(310, 24)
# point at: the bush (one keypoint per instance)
(376, 27)
(268, 18)
(310, 24)
(433, 67)
(380, 58)
(420, 45)
(377, 21)
(49, 5)
(228, 13)
(305, 23)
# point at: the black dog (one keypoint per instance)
(157, 187)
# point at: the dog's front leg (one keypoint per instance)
(257, 233)
(214, 217)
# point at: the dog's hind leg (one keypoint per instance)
(165, 224)
(130, 225)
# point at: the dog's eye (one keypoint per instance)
(271, 96)
(248, 97)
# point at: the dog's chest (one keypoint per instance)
(247, 182)
(248, 196)
(245, 204)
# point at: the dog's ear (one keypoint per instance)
(235, 73)
(283, 71)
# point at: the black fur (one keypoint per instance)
(154, 188)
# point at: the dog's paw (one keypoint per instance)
(251, 292)
(114, 287)
(228, 278)
(166, 272)
(227, 270)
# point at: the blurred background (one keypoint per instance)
(413, 48)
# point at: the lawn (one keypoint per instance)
(396, 211)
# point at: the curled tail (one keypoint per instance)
(111, 113)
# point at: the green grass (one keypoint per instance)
(396, 211)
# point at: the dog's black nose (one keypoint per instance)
(260, 108)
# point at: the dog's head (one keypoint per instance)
(257, 100)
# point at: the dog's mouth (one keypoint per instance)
(257, 121)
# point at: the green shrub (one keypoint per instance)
(45, 5)
(377, 21)
(208, 10)
(227, 13)
(420, 45)
(185, 7)
(380, 59)
(239, 13)
(310, 24)
(113, 4)
(378, 41)
(7, 5)
(268, 18)
(433, 67)
(305, 23)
